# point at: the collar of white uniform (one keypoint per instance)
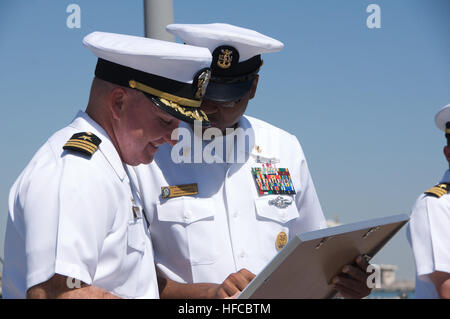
(84, 122)
(446, 177)
(258, 148)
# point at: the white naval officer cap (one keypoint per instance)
(173, 76)
(236, 55)
(442, 119)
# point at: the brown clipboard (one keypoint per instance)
(304, 268)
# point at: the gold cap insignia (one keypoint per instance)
(202, 83)
(225, 58)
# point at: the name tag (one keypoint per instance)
(179, 190)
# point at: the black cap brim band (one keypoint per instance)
(447, 131)
(231, 79)
(227, 92)
(179, 99)
(122, 75)
(226, 63)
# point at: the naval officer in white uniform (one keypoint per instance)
(75, 226)
(429, 230)
(217, 220)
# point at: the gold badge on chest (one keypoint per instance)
(281, 240)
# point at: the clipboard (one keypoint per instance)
(303, 269)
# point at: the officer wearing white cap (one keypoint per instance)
(428, 229)
(76, 228)
(221, 223)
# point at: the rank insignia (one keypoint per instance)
(272, 180)
(225, 57)
(281, 240)
(179, 190)
(438, 190)
(85, 143)
(202, 80)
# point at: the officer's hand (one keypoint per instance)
(352, 282)
(234, 284)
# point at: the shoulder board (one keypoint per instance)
(438, 190)
(85, 143)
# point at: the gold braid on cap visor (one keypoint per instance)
(173, 101)
(196, 114)
(173, 98)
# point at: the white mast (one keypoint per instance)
(158, 14)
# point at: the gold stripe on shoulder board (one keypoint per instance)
(83, 142)
(437, 191)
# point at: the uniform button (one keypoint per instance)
(242, 255)
(236, 214)
(187, 216)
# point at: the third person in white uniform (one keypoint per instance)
(429, 230)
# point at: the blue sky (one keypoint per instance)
(361, 101)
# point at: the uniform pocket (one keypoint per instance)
(136, 235)
(191, 226)
(267, 209)
(273, 223)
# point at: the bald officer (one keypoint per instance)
(429, 229)
(220, 211)
(75, 226)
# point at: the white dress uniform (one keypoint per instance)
(73, 216)
(73, 210)
(428, 229)
(428, 233)
(227, 225)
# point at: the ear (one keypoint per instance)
(116, 102)
(447, 153)
(254, 86)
